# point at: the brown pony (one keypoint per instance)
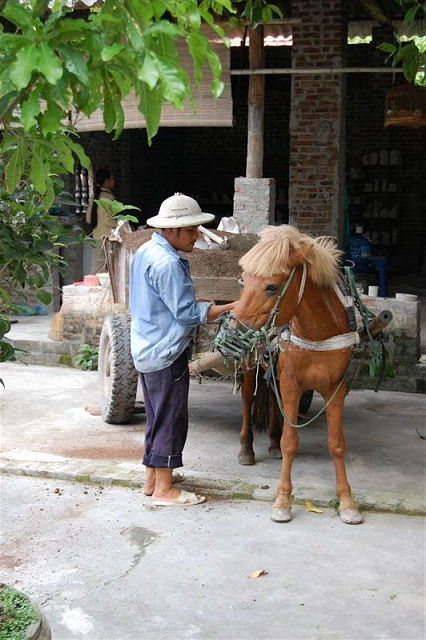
(289, 277)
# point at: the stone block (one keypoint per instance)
(254, 203)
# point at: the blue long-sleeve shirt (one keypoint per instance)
(164, 312)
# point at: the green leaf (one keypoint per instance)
(15, 168)
(40, 8)
(48, 63)
(30, 109)
(150, 105)
(64, 153)
(166, 28)
(12, 42)
(174, 82)
(197, 44)
(22, 68)
(7, 354)
(71, 29)
(80, 153)
(111, 51)
(51, 119)
(159, 8)
(74, 63)
(4, 326)
(19, 273)
(38, 171)
(217, 85)
(119, 119)
(194, 18)
(411, 13)
(149, 73)
(128, 218)
(39, 281)
(18, 14)
(59, 93)
(123, 81)
(387, 47)
(44, 296)
(5, 103)
(115, 206)
(109, 111)
(40, 245)
(142, 12)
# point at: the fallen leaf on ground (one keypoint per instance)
(257, 573)
(309, 506)
(93, 409)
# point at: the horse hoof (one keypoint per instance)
(351, 516)
(246, 459)
(281, 515)
(275, 452)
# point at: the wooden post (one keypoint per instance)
(256, 105)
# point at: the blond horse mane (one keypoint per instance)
(272, 254)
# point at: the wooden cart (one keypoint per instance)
(215, 273)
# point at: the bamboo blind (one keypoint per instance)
(209, 111)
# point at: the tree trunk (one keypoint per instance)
(256, 104)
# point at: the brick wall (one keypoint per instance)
(316, 121)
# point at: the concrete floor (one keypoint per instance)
(47, 431)
(103, 564)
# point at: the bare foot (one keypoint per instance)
(167, 496)
(149, 485)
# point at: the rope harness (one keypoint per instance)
(238, 342)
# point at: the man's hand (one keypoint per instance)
(217, 309)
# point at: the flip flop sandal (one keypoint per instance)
(177, 477)
(184, 499)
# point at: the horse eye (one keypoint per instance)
(271, 288)
(241, 282)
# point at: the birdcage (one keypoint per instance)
(405, 106)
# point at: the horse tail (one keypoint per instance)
(264, 407)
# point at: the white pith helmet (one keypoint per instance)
(179, 211)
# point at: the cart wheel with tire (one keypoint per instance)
(118, 378)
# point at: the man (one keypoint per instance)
(164, 317)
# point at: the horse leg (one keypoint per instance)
(246, 453)
(274, 427)
(348, 510)
(281, 510)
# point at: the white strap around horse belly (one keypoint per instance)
(342, 341)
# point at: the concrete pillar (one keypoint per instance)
(317, 149)
(254, 203)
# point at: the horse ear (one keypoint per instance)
(297, 256)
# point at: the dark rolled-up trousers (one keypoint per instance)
(166, 405)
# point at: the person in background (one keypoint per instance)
(164, 317)
(100, 219)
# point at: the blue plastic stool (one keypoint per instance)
(379, 263)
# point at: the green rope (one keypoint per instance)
(374, 344)
(365, 313)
